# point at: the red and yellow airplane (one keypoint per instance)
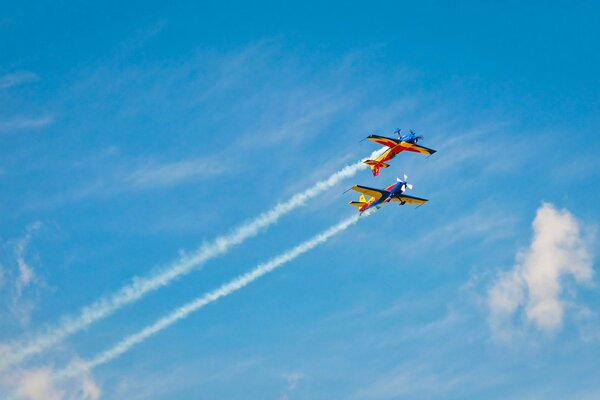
(404, 142)
(379, 197)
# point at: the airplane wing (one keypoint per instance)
(416, 148)
(389, 142)
(377, 193)
(410, 199)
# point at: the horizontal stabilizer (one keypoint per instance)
(357, 203)
(374, 163)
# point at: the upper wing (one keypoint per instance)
(389, 142)
(416, 148)
(410, 199)
(377, 193)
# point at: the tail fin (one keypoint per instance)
(362, 198)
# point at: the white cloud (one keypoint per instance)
(535, 286)
(412, 380)
(43, 384)
(18, 123)
(37, 385)
(292, 379)
(26, 274)
(16, 79)
(483, 223)
(157, 175)
(17, 276)
(1, 275)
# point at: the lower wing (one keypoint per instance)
(410, 199)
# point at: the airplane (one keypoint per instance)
(406, 142)
(379, 197)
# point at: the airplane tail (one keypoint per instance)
(375, 166)
(362, 201)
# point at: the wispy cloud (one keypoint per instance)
(413, 381)
(304, 115)
(292, 379)
(113, 176)
(41, 384)
(22, 123)
(26, 274)
(18, 277)
(482, 223)
(17, 78)
(536, 283)
(167, 174)
(140, 286)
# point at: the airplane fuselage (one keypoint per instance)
(398, 148)
(394, 191)
(409, 137)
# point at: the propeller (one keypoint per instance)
(407, 185)
(397, 132)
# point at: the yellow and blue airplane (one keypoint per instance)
(404, 142)
(379, 197)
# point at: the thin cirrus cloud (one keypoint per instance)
(536, 284)
(22, 123)
(26, 274)
(18, 278)
(17, 78)
(145, 175)
(167, 174)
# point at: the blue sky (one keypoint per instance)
(132, 135)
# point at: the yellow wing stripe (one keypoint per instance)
(416, 148)
(369, 191)
(410, 199)
(383, 140)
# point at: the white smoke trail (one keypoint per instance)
(225, 290)
(105, 306)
